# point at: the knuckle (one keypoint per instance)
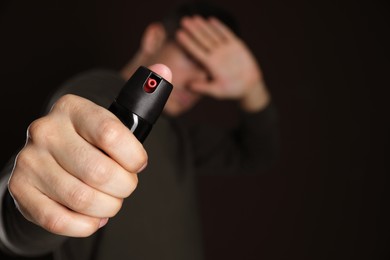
(37, 129)
(26, 165)
(64, 103)
(14, 187)
(23, 161)
(81, 199)
(97, 173)
(21, 176)
(54, 223)
(41, 131)
(109, 132)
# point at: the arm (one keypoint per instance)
(233, 71)
(233, 74)
(251, 147)
(18, 236)
(73, 173)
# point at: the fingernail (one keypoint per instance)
(103, 222)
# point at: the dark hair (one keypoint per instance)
(171, 21)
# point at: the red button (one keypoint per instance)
(150, 85)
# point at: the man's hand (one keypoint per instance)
(77, 166)
(233, 70)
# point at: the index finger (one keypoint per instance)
(221, 28)
(104, 130)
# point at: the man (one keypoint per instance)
(80, 162)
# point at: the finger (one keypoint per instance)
(209, 31)
(104, 130)
(190, 45)
(78, 196)
(195, 28)
(53, 181)
(54, 217)
(93, 167)
(221, 28)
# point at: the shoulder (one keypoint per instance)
(98, 85)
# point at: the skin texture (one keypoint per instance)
(80, 161)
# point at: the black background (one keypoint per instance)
(325, 64)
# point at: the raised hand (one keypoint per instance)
(233, 71)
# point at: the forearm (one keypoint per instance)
(258, 131)
(258, 135)
(251, 147)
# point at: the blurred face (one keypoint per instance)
(185, 71)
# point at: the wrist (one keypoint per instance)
(256, 99)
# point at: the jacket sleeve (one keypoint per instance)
(251, 147)
(18, 236)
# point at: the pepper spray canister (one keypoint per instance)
(141, 101)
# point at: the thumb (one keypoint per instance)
(162, 70)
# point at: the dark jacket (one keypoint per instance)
(160, 220)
